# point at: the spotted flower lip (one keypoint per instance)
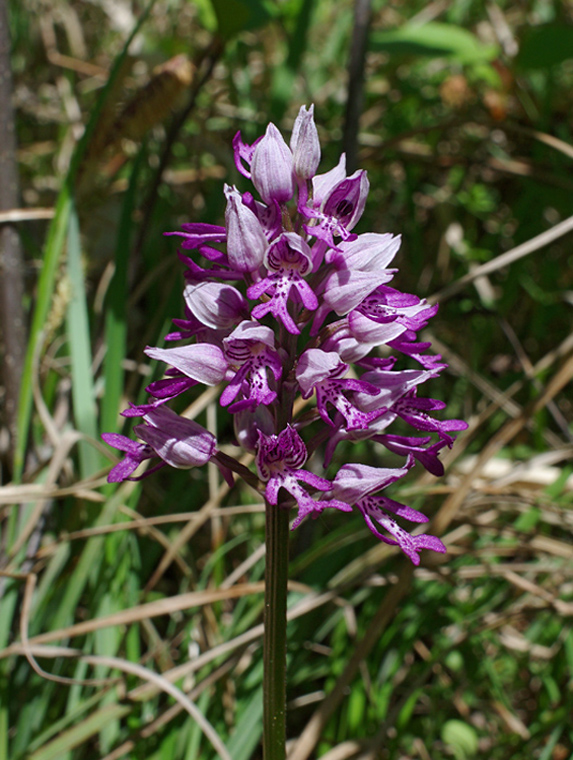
(279, 463)
(250, 348)
(285, 303)
(288, 260)
(323, 372)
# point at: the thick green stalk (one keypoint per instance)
(274, 642)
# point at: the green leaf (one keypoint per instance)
(78, 333)
(461, 737)
(46, 283)
(249, 729)
(408, 709)
(435, 40)
(80, 733)
(116, 308)
(545, 46)
(235, 16)
(54, 247)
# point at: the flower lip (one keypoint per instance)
(289, 251)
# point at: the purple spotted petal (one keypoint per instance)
(375, 516)
(316, 365)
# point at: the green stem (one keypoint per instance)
(274, 643)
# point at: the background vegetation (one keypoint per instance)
(125, 114)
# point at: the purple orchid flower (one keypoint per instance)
(272, 168)
(246, 240)
(287, 260)
(279, 460)
(357, 484)
(286, 302)
(251, 348)
(176, 441)
(305, 145)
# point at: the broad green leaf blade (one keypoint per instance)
(249, 729)
(65, 721)
(54, 247)
(435, 40)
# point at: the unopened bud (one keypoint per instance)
(272, 168)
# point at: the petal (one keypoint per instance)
(216, 305)
(355, 481)
(323, 184)
(369, 252)
(315, 366)
(180, 442)
(203, 362)
(346, 289)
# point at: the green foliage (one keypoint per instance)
(235, 16)
(545, 46)
(461, 737)
(434, 40)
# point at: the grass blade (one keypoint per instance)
(83, 395)
(115, 318)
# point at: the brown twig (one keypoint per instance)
(505, 259)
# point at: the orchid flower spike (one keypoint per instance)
(284, 302)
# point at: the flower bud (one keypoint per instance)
(246, 241)
(272, 168)
(304, 144)
(178, 441)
